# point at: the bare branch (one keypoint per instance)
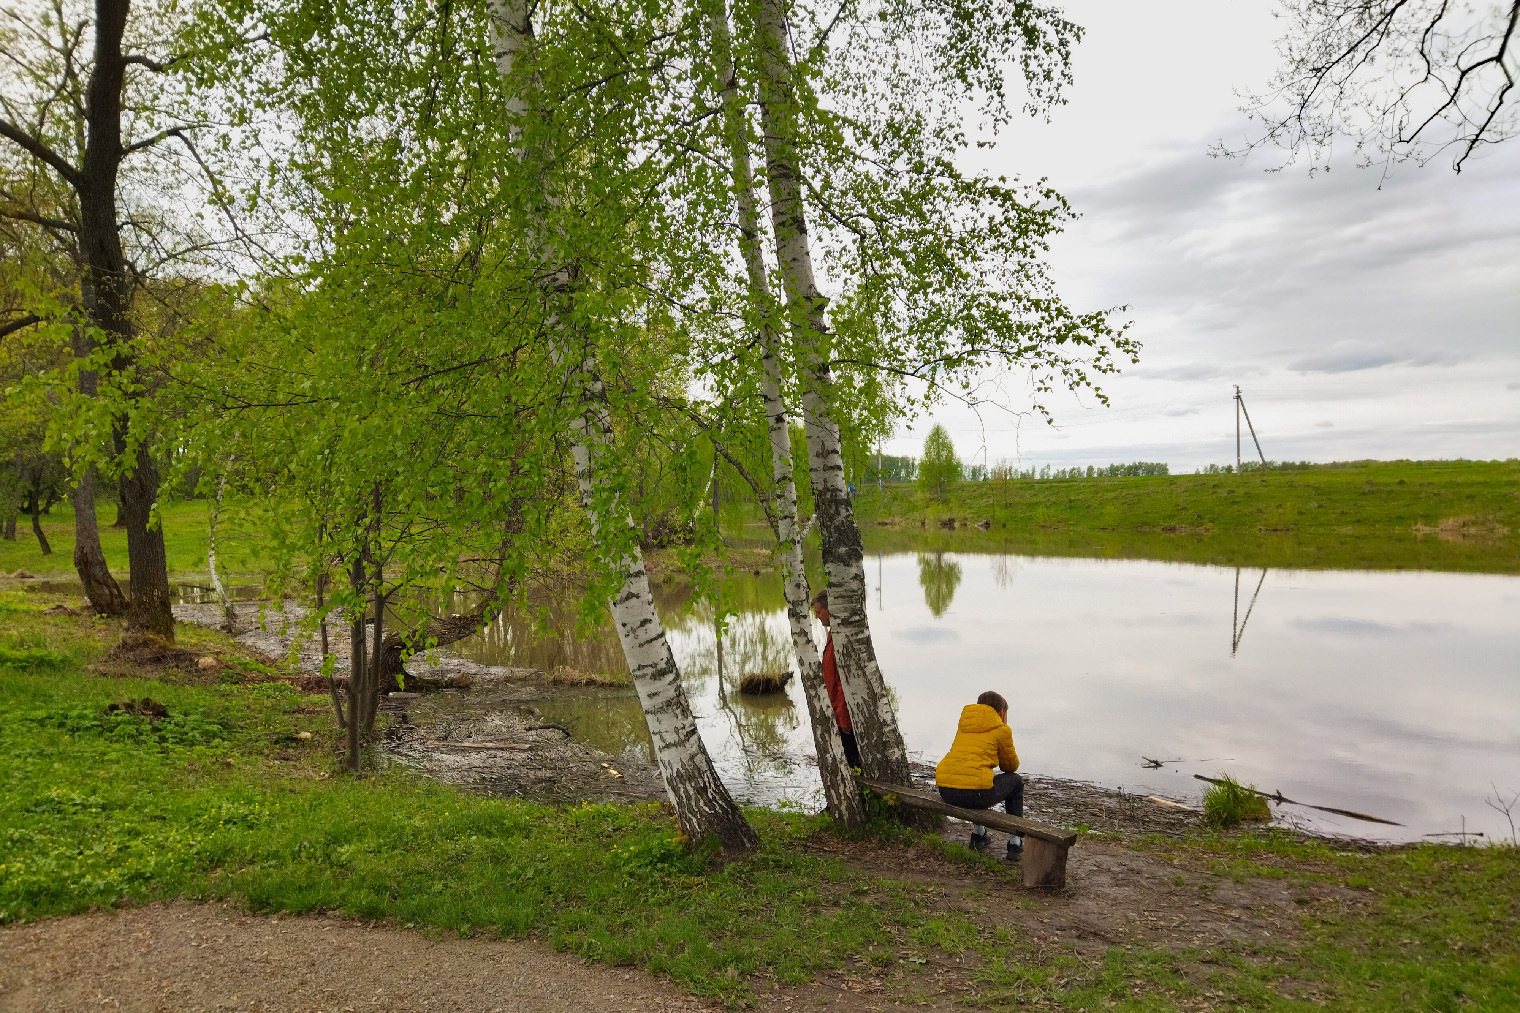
(36, 219)
(37, 149)
(12, 326)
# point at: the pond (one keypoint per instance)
(1394, 694)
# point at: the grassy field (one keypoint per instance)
(225, 798)
(185, 539)
(1377, 515)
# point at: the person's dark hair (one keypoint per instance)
(993, 700)
(822, 598)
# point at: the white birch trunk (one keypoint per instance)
(216, 580)
(844, 800)
(702, 803)
(876, 731)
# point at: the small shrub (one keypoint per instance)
(1230, 803)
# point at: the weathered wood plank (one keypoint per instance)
(931, 802)
(1044, 863)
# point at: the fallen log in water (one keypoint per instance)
(1282, 799)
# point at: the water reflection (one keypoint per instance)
(1237, 624)
(1388, 693)
(939, 577)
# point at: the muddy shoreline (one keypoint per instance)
(482, 728)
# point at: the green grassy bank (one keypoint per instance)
(1376, 515)
(225, 798)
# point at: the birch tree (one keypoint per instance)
(701, 801)
(923, 297)
(843, 799)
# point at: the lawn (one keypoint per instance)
(1450, 515)
(225, 797)
(186, 528)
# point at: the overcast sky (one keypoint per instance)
(1359, 322)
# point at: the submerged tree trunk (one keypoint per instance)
(702, 803)
(844, 800)
(875, 721)
(89, 561)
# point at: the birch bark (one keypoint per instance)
(702, 803)
(876, 730)
(843, 798)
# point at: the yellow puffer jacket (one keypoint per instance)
(982, 741)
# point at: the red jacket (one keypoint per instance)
(836, 691)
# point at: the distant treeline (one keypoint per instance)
(905, 469)
(1249, 466)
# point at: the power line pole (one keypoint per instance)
(1240, 409)
(1238, 431)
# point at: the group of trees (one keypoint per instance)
(478, 295)
(940, 469)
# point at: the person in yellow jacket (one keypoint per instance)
(964, 777)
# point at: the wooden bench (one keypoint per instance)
(1045, 846)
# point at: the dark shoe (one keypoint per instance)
(1015, 849)
(980, 842)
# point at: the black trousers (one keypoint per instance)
(1007, 788)
(851, 750)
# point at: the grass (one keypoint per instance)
(1229, 803)
(1450, 515)
(186, 527)
(224, 798)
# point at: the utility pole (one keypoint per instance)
(1238, 429)
(1240, 409)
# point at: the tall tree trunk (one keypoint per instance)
(106, 291)
(89, 561)
(35, 510)
(875, 722)
(149, 607)
(843, 798)
(702, 803)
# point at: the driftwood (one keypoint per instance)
(1170, 804)
(1282, 799)
(438, 631)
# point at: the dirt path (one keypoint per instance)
(185, 958)
(179, 958)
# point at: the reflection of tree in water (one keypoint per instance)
(1003, 569)
(939, 577)
(750, 643)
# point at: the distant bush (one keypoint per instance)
(1230, 803)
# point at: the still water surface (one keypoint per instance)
(1396, 694)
